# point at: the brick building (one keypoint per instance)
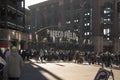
(12, 23)
(95, 22)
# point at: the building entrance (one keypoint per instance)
(108, 48)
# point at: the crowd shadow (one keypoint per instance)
(31, 73)
(60, 65)
(116, 67)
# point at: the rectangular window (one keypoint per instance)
(106, 31)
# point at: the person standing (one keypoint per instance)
(14, 64)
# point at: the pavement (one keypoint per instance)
(33, 70)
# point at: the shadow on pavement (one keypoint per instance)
(31, 73)
(116, 67)
(60, 65)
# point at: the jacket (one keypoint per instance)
(14, 64)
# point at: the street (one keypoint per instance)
(62, 71)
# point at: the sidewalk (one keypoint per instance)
(61, 71)
(31, 71)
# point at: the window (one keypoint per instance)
(2, 14)
(106, 12)
(68, 22)
(106, 31)
(106, 20)
(87, 33)
(76, 20)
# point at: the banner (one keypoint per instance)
(62, 34)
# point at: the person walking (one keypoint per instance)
(14, 64)
(6, 53)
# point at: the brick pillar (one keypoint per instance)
(98, 43)
(116, 44)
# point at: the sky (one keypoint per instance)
(32, 2)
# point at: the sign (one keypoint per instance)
(102, 74)
(62, 34)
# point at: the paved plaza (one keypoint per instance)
(62, 71)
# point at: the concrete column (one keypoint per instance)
(116, 44)
(98, 43)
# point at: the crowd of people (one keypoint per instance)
(47, 55)
(103, 58)
(12, 59)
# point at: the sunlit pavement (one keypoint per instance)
(61, 71)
